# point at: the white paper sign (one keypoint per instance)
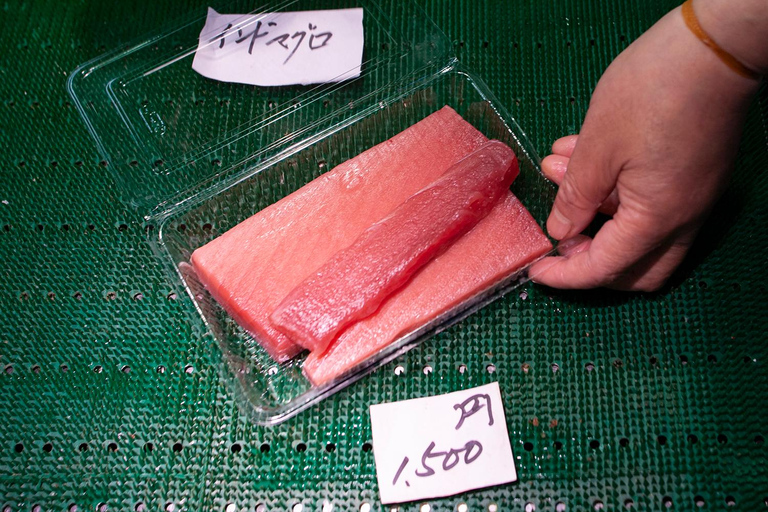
(302, 47)
(441, 445)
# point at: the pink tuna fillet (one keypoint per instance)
(251, 268)
(502, 243)
(354, 282)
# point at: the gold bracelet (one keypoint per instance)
(692, 22)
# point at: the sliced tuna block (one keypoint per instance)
(506, 240)
(354, 282)
(251, 268)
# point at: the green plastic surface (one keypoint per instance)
(109, 400)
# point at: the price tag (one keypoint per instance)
(442, 445)
(302, 47)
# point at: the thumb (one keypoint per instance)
(588, 182)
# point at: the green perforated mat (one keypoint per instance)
(109, 399)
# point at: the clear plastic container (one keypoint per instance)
(196, 156)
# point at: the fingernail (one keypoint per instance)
(573, 245)
(558, 224)
(559, 166)
(566, 245)
(539, 268)
(554, 167)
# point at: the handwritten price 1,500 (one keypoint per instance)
(451, 458)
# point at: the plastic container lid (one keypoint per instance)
(170, 134)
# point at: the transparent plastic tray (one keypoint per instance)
(195, 157)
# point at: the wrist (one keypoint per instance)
(739, 28)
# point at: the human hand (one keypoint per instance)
(655, 152)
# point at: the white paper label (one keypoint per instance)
(441, 445)
(302, 47)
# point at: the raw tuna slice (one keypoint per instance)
(355, 281)
(251, 268)
(503, 242)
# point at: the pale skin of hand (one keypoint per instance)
(655, 152)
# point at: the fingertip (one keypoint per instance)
(567, 272)
(537, 271)
(564, 145)
(558, 225)
(554, 167)
(549, 272)
(574, 245)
